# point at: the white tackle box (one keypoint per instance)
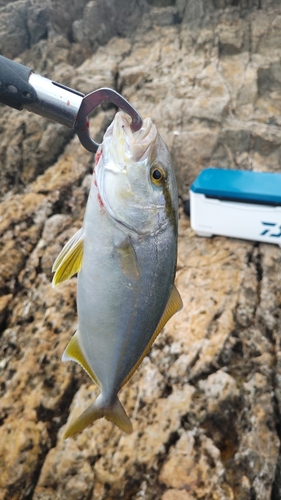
(235, 203)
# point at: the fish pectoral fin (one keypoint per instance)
(114, 413)
(69, 261)
(73, 352)
(127, 258)
(173, 306)
(72, 242)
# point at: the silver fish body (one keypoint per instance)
(125, 291)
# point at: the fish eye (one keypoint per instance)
(157, 175)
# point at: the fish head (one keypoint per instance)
(135, 177)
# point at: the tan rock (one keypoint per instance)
(182, 470)
(205, 403)
(26, 441)
(218, 388)
(175, 494)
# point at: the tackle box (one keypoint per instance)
(237, 203)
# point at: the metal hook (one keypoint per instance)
(90, 102)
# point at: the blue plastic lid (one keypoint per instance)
(259, 187)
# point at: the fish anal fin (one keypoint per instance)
(127, 258)
(69, 261)
(73, 352)
(173, 306)
(115, 414)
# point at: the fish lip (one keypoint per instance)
(137, 145)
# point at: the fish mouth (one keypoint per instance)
(137, 145)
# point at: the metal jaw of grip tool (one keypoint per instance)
(90, 102)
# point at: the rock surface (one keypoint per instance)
(206, 401)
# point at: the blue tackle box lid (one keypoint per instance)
(239, 185)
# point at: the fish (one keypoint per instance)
(125, 255)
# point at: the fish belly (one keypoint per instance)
(118, 312)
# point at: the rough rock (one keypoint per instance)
(206, 401)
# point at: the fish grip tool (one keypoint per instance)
(21, 88)
(92, 101)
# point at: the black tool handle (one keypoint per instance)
(15, 90)
(21, 88)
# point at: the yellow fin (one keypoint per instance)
(119, 417)
(72, 242)
(127, 258)
(115, 414)
(174, 305)
(73, 352)
(69, 261)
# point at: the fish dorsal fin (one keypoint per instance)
(174, 305)
(69, 261)
(73, 352)
(127, 258)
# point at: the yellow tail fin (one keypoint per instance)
(114, 413)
